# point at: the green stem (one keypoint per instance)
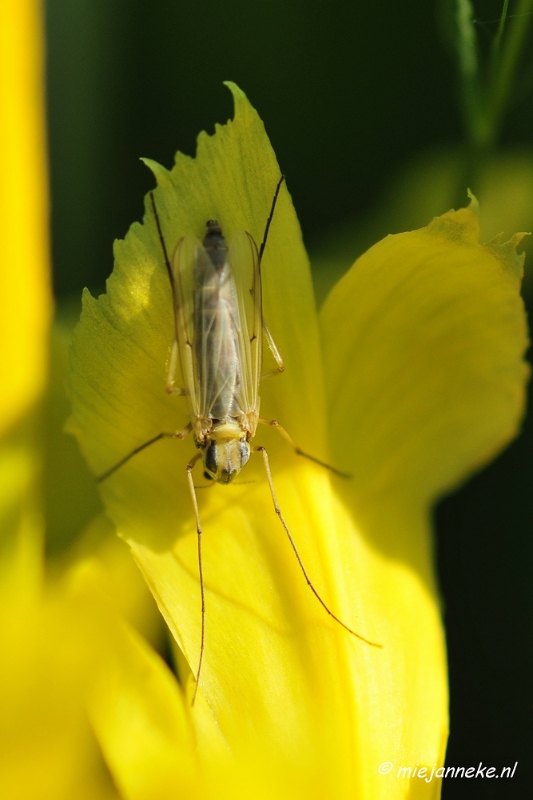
(504, 67)
(501, 26)
(485, 101)
(469, 69)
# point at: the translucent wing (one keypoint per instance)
(218, 314)
(244, 260)
(188, 259)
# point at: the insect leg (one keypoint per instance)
(275, 352)
(273, 423)
(192, 490)
(173, 363)
(297, 554)
(171, 389)
(175, 435)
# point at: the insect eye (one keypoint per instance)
(211, 460)
(244, 453)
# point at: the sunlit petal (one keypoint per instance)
(24, 277)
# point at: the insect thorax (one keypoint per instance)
(225, 452)
(215, 244)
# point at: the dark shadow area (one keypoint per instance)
(346, 96)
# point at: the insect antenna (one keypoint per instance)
(270, 217)
(162, 240)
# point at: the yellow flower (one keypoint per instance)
(412, 377)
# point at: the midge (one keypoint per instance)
(219, 332)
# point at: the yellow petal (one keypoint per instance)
(134, 702)
(69, 495)
(47, 749)
(68, 660)
(431, 327)
(119, 578)
(423, 347)
(24, 280)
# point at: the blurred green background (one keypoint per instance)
(361, 102)
(347, 95)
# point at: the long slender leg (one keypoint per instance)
(192, 490)
(273, 423)
(274, 350)
(171, 389)
(272, 372)
(297, 554)
(175, 435)
(171, 376)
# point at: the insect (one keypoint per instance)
(219, 334)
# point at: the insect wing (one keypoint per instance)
(218, 316)
(189, 258)
(244, 260)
